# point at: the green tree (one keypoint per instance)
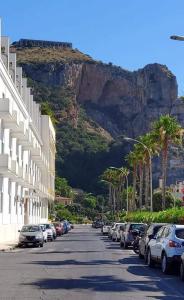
(62, 188)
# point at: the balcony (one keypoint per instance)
(6, 109)
(5, 164)
(10, 119)
(14, 167)
(26, 140)
(19, 131)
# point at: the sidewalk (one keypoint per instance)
(8, 246)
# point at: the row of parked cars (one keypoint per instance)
(38, 234)
(157, 243)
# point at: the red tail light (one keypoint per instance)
(174, 244)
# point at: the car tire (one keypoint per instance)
(41, 245)
(164, 264)
(182, 271)
(150, 261)
(125, 245)
(145, 257)
(140, 255)
(121, 244)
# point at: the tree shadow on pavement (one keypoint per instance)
(75, 262)
(96, 283)
(69, 252)
(108, 284)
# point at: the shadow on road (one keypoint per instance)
(106, 284)
(68, 252)
(75, 262)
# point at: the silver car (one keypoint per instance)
(31, 235)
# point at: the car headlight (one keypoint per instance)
(22, 237)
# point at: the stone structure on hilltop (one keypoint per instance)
(41, 43)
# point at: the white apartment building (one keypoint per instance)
(27, 152)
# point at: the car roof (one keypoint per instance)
(178, 226)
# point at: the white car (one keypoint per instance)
(49, 231)
(105, 229)
(112, 229)
(116, 231)
(44, 232)
(166, 247)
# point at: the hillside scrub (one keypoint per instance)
(173, 215)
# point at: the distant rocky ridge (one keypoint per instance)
(120, 102)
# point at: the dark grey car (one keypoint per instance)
(31, 235)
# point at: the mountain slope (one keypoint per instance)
(94, 103)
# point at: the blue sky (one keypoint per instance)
(128, 33)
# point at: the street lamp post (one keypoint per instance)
(149, 153)
(177, 37)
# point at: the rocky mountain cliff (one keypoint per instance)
(101, 100)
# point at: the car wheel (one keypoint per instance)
(140, 255)
(182, 271)
(121, 244)
(146, 257)
(125, 245)
(150, 261)
(165, 265)
(41, 245)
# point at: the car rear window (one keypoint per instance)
(137, 226)
(180, 233)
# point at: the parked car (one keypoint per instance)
(49, 231)
(31, 235)
(112, 227)
(65, 227)
(126, 236)
(116, 231)
(105, 228)
(97, 224)
(72, 225)
(53, 230)
(146, 237)
(166, 247)
(59, 228)
(44, 233)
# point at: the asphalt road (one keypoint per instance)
(83, 265)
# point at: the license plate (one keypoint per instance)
(30, 244)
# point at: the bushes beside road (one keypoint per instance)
(173, 215)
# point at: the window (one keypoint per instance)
(1, 202)
(180, 233)
(9, 193)
(166, 232)
(159, 233)
(3, 50)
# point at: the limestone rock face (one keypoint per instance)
(122, 102)
(127, 102)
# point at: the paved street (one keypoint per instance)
(82, 265)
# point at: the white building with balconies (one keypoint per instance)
(27, 151)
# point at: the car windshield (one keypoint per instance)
(180, 233)
(30, 228)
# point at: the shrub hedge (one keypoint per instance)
(172, 215)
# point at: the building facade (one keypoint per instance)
(27, 151)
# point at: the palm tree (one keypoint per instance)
(132, 160)
(166, 131)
